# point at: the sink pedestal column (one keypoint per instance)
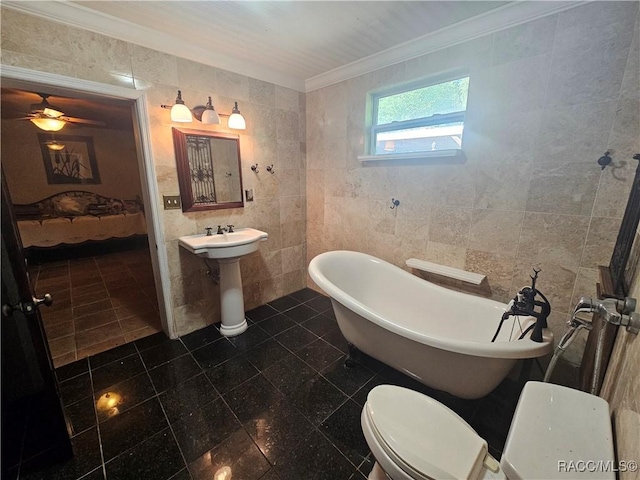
(231, 297)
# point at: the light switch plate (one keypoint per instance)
(171, 202)
(248, 194)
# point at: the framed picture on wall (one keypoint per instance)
(69, 159)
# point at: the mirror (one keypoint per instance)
(208, 169)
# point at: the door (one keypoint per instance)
(33, 424)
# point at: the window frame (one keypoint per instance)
(373, 129)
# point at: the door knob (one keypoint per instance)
(27, 307)
(46, 299)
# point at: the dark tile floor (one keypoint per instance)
(274, 403)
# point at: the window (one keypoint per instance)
(427, 117)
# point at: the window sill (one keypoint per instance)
(412, 156)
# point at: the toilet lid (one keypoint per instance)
(424, 434)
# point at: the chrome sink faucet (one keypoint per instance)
(227, 229)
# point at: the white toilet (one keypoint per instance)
(556, 433)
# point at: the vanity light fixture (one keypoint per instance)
(205, 113)
(236, 120)
(179, 111)
(209, 115)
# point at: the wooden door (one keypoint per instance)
(33, 424)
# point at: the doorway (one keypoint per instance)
(106, 292)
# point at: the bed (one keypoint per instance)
(77, 218)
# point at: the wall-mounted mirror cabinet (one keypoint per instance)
(208, 169)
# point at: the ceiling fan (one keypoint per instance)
(51, 118)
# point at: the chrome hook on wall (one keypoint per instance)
(270, 169)
(394, 203)
(254, 167)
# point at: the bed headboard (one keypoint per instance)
(75, 203)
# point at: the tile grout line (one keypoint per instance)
(157, 395)
(95, 413)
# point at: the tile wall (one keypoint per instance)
(546, 100)
(275, 135)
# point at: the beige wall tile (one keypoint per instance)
(585, 285)
(502, 187)
(555, 238)
(234, 86)
(574, 133)
(35, 36)
(450, 226)
(287, 99)
(497, 267)
(614, 188)
(495, 231)
(445, 254)
(151, 67)
(568, 188)
(523, 41)
(601, 239)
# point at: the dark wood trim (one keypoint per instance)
(184, 172)
(626, 236)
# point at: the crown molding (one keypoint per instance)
(85, 18)
(514, 13)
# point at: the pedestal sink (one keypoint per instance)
(227, 248)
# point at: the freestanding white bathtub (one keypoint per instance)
(438, 336)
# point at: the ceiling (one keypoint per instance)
(301, 39)
(303, 45)
(298, 44)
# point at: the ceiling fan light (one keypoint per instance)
(55, 146)
(236, 120)
(48, 124)
(52, 112)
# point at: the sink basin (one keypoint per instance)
(227, 245)
(227, 248)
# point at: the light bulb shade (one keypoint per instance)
(48, 124)
(181, 113)
(210, 117)
(55, 146)
(236, 120)
(52, 112)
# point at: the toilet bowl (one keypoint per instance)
(555, 432)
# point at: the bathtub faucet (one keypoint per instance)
(525, 304)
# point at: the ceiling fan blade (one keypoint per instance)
(84, 121)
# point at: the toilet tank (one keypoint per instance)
(559, 433)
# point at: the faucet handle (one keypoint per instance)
(230, 228)
(220, 231)
(208, 231)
